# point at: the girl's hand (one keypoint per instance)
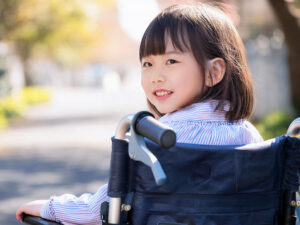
(31, 208)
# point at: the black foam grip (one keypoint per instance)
(119, 162)
(151, 128)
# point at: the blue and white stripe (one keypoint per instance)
(196, 124)
(201, 124)
(69, 209)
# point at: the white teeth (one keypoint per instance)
(162, 93)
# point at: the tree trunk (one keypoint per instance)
(28, 81)
(291, 29)
(24, 51)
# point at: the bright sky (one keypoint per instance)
(135, 15)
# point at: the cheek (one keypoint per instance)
(144, 84)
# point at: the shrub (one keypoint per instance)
(14, 105)
(3, 120)
(11, 107)
(274, 124)
(35, 95)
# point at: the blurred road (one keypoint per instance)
(61, 146)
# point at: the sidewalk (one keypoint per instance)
(61, 146)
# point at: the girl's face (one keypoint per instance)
(171, 80)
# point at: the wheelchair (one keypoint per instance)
(155, 181)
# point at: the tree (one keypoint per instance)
(53, 28)
(59, 29)
(8, 22)
(289, 22)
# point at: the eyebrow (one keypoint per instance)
(167, 53)
(173, 52)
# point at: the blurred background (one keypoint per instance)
(69, 71)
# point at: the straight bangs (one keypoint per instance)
(163, 27)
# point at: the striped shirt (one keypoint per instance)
(201, 124)
(196, 124)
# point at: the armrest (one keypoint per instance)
(34, 220)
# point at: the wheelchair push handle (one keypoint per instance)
(147, 126)
(294, 128)
(144, 124)
(134, 128)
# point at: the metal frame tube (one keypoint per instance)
(114, 210)
(289, 213)
(123, 127)
(115, 203)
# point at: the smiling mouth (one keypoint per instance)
(162, 93)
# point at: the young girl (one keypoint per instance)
(196, 80)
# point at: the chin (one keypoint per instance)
(165, 111)
(165, 108)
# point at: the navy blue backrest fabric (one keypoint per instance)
(214, 185)
(202, 169)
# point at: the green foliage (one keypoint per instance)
(60, 29)
(11, 107)
(3, 121)
(35, 95)
(8, 21)
(14, 105)
(46, 26)
(274, 124)
(65, 31)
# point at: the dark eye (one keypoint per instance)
(171, 61)
(147, 64)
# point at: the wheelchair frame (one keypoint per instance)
(142, 125)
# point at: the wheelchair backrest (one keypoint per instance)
(216, 184)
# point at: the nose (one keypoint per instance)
(158, 77)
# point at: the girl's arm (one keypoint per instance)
(69, 209)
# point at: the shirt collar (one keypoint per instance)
(201, 111)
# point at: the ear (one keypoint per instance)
(215, 71)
